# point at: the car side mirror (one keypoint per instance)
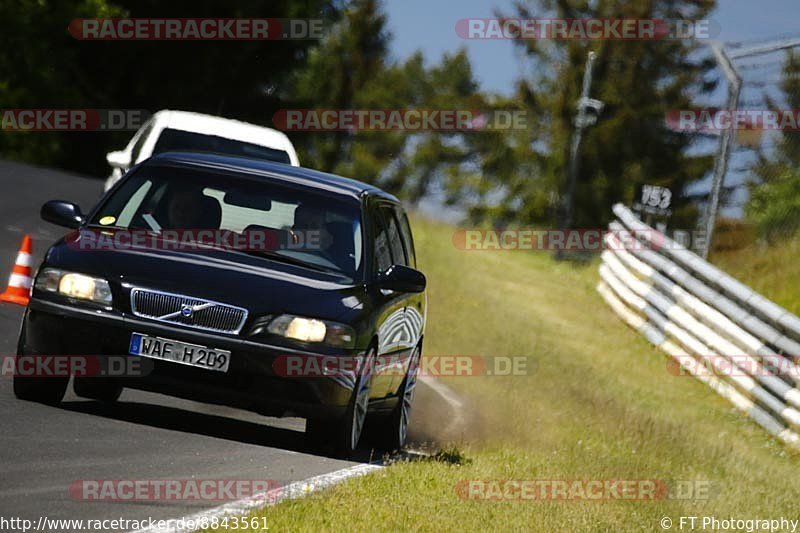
(119, 159)
(62, 213)
(402, 279)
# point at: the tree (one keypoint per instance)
(640, 81)
(339, 70)
(351, 70)
(774, 203)
(43, 66)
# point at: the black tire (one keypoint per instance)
(317, 432)
(100, 389)
(46, 390)
(393, 430)
(343, 435)
(49, 391)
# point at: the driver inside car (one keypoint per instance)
(310, 231)
(190, 208)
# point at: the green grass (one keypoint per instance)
(598, 403)
(773, 271)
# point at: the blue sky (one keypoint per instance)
(429, 25)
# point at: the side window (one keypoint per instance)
(393, 233)
(408, 240)
(383, 257)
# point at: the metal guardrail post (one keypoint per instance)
(725, 143)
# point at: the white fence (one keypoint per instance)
(733, 339)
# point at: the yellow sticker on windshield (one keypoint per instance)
(107, 221)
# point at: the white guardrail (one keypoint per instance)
(731, 338)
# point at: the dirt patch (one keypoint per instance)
(441, 416)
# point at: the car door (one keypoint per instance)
(388, 306)
(416, 305)
(397, 336)
(410, 331)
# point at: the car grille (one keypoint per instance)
(187, 311)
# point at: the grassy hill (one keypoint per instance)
(773, 271)
(598, 403)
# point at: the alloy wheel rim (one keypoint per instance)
(362, 400)
(408, 397)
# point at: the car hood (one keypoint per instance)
(261, 285)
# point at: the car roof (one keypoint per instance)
(269, 169)
(224, 127)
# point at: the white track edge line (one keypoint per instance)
(297, 489)
(293, 491)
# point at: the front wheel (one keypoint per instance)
(344, 434)
(46, 390)
(96, 388)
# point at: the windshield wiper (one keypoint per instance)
(291, 260)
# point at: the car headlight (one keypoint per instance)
(313, 330)
(74, 285)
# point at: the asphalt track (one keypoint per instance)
(145, 436)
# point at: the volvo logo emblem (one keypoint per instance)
(187, 311)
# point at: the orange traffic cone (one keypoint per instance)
(19, 284)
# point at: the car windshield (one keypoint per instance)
(281, 222)
(172, 140)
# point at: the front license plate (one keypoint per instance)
(180, 352)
